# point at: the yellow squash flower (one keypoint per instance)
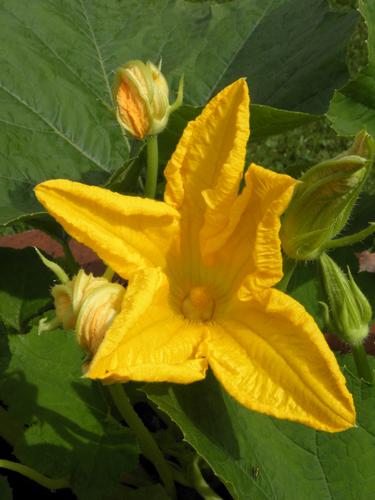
(200, 267)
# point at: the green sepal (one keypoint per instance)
(349, 312)
(323, 201)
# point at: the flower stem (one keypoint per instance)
(353, 238)
(37, 477)
(146, 441)
(152, 166)
(200, 484)
(361, 362)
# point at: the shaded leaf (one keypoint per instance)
(126, 179)
(70, 431)
(306, 287)
(295, 57)
(260, 457)
(267, 121)
(155, 492)
(24, 286)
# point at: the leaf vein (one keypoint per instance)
(54, 128)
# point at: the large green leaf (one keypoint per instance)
(58, 60)
(24, 286)
(353, 107)
(70, 432)
(260, 457)
(295, 57)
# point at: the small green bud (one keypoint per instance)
(141, 95)
(323, 201)
(349, 312)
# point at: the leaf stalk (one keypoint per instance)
(146, 441)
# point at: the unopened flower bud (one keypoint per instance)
(324, 199)
(85, 303)
(96, 315)
(69, 296)
(88, 305)
(141, 95)
(349, 312)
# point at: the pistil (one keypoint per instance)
(198, 304)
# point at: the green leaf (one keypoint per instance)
(295, 57)
(58, 62)
(24, 286)
(353, 107)
(305, 286)
(263, 458)
(5, 489)
(37, 220)
(70, 432)
(266, 121)
(126, 179)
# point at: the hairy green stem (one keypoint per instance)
(146, 441)
(152, 166)
(361, 363)
(351, 239)
(37, 477)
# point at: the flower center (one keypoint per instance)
(198, 304)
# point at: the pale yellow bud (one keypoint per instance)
(69, 296)
(88, 305)
(96, 314)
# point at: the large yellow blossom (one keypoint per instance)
(200, 267)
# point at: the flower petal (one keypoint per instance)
(251, 237)
(205, 171)
(127, 232)
(270, 355)
(149, 340)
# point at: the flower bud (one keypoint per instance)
(141, 95)
(68, 296)
(324, 199)
(349, 312)
(88, 305)
(96, 314)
